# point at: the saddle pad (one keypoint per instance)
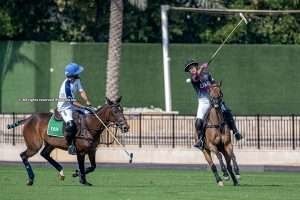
(55, 128)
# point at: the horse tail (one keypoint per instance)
(19, 122)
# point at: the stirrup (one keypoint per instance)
(72, 149)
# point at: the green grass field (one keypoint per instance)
(139, 184)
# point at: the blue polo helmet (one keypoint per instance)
(73, 69)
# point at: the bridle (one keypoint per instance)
(216, 103)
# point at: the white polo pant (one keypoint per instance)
(203, 106)
(67, 113)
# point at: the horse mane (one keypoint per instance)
(101, 108)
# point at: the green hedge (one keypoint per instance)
(256, 78)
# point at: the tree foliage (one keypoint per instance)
(88, 20)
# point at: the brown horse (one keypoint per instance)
(86, 139)
(217, 135)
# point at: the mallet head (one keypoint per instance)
(244, 18)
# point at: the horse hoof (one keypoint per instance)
(236, 184)
(220, 183)
(86, 183)
(61, 177)
(76, 173)
(29, 182)
(226, 178)
(238, 177)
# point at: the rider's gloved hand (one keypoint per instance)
(204, 65)
(90, 108)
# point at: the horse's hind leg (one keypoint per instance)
(213, 167)
(223, 166)
(228, 153)
(46, 154)
(92, 158)
(24, 156)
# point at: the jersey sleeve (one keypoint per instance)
(79, 86)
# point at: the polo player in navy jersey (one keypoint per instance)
(201, 79)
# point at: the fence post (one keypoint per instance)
(107, 138)
(14, 132)
(173, 130)
(140, 130)
(293, 131)
(258, 132)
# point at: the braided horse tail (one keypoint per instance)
(22, 121)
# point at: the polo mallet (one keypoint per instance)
(243, 19)
(130, 155)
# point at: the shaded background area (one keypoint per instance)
(256, 78)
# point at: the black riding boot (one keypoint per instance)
(231, 123)
(70, 134)
(199, 129)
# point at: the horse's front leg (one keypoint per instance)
(207, 155)
(223, 167)
(82, 177)
(92, 158)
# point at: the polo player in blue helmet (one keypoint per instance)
(201, 79)
(67, 102)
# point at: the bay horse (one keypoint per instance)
(217, 135)
(86, 139)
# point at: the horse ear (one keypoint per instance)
(109, 102)
(119, 99)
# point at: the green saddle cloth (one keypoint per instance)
(55, 128)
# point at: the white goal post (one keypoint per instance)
(165, 37)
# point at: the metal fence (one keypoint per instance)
(177, 131)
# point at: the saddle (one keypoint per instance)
(58, 124)
(220, 126)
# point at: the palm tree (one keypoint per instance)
(114, 44)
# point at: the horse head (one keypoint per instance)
(116, 114)
(215, 94)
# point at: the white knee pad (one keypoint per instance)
(67, 115)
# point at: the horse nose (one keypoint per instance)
(126, 128)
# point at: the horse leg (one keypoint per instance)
(46, 154)
(24, 156)
(228, 157)
(213, 167)
(236, 167)
(92, 158)
(223, 167)
(80, 159)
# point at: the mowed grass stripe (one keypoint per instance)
(137, 184)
